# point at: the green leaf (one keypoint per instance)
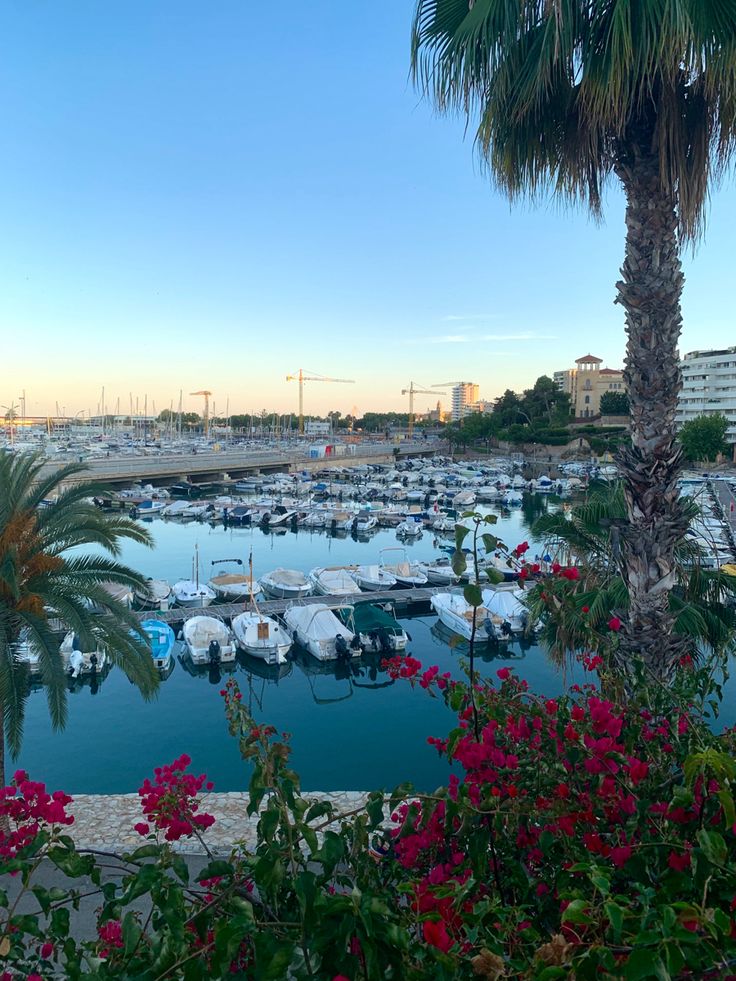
(131, 932)
(490, 542)
(461, 533)
(576, 912)
(180, 867)
(713, 845)
(217, 869)
(645, 963)
(459, 563)
(615, 917)
(473, 595)
(494, 576)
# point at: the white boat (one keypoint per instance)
(543, 485)
(457, 614)
(118, 592)
(286, 584)
(512, 498)
(208, 640)
(333, 581)
(364, 523)
(147, 508)
(407, 574)
(373, 577)
(315, 519)
(192, 593)
(161, 640)
(439, 572)
(463, 499)
(175, 510)
(505, 603)
(231, 587)
(25, 652)
(262, 637)
(155, 594)
(79, 662)
(195, 510)
(409, 529)
(320, 632)
(339, 521)
(444, 524)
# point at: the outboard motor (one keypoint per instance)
(341, 647)
(93, 664)
(385, 641)
(214, 652)
(506, 628)
(76, 662)
(488, 628)
(375, 640)
(355, 643)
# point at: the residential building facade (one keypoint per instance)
(464, 397)
(708, 387)
(586, 383)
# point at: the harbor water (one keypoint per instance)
(352, 727)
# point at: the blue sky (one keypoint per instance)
(212, 195)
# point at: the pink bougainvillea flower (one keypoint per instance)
(435, 933)
(614, 624)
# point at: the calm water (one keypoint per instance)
(352, 728)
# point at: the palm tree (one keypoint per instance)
(702, 602)
(567, 94)
(44, 576)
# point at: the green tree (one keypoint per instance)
(546, 402)
(575, 616)
(506, 408)
(43, 577)
(614, 404)
(564, 97)
(704, 438)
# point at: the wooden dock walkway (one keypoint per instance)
(406, 600)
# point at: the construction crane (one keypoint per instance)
(411, 391)
(301, 378)
(206, 395)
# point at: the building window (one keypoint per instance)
(587, 399)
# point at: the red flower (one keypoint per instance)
(504, 673)
(142, 828)
(679, 862)
(621, 855)
(47, 951)
(340, 977)
(586, 609)
(571, 573)
(614, 624)
(435, 933)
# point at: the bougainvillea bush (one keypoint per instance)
(576, 838)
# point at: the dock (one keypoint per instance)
(408, 601)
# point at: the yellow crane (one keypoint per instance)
(301, 378)
(206, 411)
(411, 391)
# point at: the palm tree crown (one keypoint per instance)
(44, 576)
(560, 87)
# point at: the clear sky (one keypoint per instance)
(210, 195)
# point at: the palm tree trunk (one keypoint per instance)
(650, 291)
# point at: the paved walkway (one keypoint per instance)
(106, 822)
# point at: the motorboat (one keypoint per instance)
(409, 529)
(377, 628)
(191, 593)
(364, 522)
(118, 592)
(339, 521)
(261, 636)
(161, 639)
(155, 594)
(317, 629)
(240, 514)
(502, 565)
(315, 519)
(512, 498)
(175, 510)
(286, 584)
(333, 581)
(457, 615)
(373, 577)
(407, 574)
(439, 572)
(505, 603)
(279, 516)
(147, 508)
(78, 662)
(208, 640)
(444, 524)
(231, 587)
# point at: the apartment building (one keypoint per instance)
(708, 387)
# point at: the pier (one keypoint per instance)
(409, 601)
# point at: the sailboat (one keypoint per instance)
(190, 592)
(259, 635)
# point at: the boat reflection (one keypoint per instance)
(357, 672)
(486, 648)
(74, 686)
(212, 672)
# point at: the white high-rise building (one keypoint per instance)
(708, 387)
(464, 396)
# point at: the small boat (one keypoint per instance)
(286, 584)
(339, 521)
(364, 522)
(231, 587)
(409, 529)
(505, 603)
(175, 510)
(315, 519)
(191, 592)
(161, 638)
(320, 632)
(118, 592)
(240, 514)
(407, 574)
(502, 565)
(78, 662)
(457, 614)
(444, 524)
(261, 636)
(195, 510)
(512, 498)
(208, 640)
(373, 577)
(145, 509)
(439, 572)
(333, 581)
(377, 629)
(155, 594)
(279, 516)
